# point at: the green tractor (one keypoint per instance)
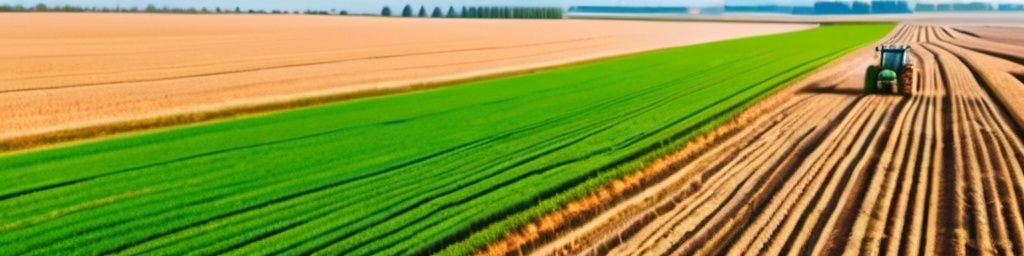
(894, 73)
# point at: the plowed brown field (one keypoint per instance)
(1010, 35)
(61, 72)
(821, 169)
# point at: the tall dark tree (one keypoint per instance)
(437, 13)
(386, 12)
(150, 8)
(463, 13)
(407, 11)
(451, 12)
(423, 11)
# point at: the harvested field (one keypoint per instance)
(820, 169)
(105, 73)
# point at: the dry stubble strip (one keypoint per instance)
(839, 209)
(693, 211)
(830, 160)
(777, 243)
(891, 218)
(980, 229)
(961, 233)
(715, 180)
(917, 239)
(751, 195)
(1004, 162)
(744, 163)
(984, 179)
(949, 235)
(909, 214)
(698, 207)
(997, 75)
(891, 175)
(1009, 177)
(1000, 155)
(767, 225)
(886, 214)
(885, 220)
(1002, 202)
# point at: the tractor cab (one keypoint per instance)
(893, 73)
(894, 57)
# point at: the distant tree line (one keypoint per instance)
(971, 6)
(150, 8)
(515, 12)
(490, 12)
(629, 9)
(875, 7)
(1011, 7)
(41, 7)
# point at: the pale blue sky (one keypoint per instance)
(373, 6)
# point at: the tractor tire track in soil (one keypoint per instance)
(825, 170)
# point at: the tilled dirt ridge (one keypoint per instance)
(831, 171)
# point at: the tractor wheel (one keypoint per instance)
(908, 80)
(871, 80)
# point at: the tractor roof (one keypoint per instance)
(892, 47)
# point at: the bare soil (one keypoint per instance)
(999, 34)
(823, 171)
(61, 72)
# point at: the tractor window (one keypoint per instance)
(892, 60)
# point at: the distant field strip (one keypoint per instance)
(445, 170)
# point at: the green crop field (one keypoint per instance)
(437, 171)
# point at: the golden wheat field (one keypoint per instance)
(62, 72)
